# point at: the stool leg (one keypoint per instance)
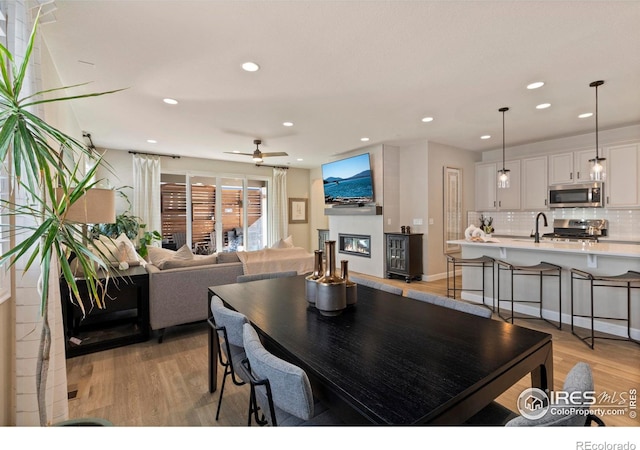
(512, 313)
(571, 302)
(493, 285)
(592, 313)
(559, 299)
(448, 290)
(540, 298)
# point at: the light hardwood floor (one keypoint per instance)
(151, 384)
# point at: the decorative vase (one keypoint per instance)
(331, 295)
(311, 285)
(350, 286)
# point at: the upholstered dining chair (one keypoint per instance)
(447, 302)
(376, 284)
(265, 276)
(279, 389)
(579, 379)
(228, 324)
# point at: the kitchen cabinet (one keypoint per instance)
(488, 196)
(534, 183)
(621, 187)
(571, 167)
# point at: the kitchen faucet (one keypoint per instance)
(537, 235)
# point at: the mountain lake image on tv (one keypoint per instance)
(348, 181)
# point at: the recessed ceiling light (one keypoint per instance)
(364, 139)
(250, 66)
(427, 119)
(536, 85)
(486, 136)
(287, 124)
(152, 141)
(585, 115)
(299, 159)
(543, 105)
(170, 101)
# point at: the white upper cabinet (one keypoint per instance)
(571, 167)
(534, 183)
(486, 186)
(488, 196)
(621, 187)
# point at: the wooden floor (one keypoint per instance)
(151, 384)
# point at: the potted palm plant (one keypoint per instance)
(31, 151)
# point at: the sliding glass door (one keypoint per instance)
(225, 214)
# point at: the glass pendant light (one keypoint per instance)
(503, 174)
(597, 163)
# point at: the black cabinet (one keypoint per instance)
(404, 255)
(124, 320)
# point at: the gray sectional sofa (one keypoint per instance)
(180, 295)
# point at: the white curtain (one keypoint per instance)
(279, 219)
(146, 190)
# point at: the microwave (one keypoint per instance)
(587, 195)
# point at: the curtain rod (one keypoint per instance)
(153, 154)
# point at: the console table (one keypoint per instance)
(124, 320)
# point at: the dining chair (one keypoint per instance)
(228, 324)
(179, 239)
(265, 276)
(450, 303)
(560, 413)
(279, 389)
(376, 284)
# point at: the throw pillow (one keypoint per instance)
(129, 249)
(284, 243)
(183, 252)
(156, 254)
(107, 249)
(228, 257)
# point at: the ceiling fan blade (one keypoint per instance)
(264, 155)
(237, 153)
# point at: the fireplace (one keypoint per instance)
(355, 244)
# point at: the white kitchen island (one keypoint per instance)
(600, 258)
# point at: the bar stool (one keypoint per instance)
(482, 261)
(616, 281)
(541, 270)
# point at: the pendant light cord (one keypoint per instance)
(503, 110)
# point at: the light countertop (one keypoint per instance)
(599, 248)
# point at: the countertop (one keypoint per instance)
(599, 248)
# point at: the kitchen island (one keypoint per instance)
(599, 258)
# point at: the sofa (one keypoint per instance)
(179, 280)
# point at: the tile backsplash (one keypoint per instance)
(624, 224)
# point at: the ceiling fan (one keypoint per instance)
(257, 155)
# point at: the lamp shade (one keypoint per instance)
(95, 206)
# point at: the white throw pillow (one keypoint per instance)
(284, 243)
(106, 248)
(129, 249)
(156, 254)
(183, 252)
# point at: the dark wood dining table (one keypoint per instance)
(391, 360)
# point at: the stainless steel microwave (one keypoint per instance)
(587, 195)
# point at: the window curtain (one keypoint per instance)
(279, 228)
(146, 191)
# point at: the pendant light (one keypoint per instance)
(597, 163)
(503, 174)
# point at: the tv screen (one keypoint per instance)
(348, 180)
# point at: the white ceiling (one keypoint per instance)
(343, 70)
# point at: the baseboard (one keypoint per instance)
(602, 326)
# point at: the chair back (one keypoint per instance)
(179, 239)
(265, 276)
(376, 284)
(450, 303)
(289, 384)
(232, 321)
(579, 379)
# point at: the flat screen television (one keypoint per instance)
(348, 181)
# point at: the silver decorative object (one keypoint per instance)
(311, 285)
(350, 286)
(331, 295)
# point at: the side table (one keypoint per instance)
(123, 321)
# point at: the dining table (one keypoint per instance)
(390, 359)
